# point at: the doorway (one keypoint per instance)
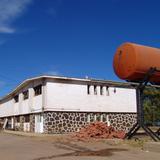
(38, 123)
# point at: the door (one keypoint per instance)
(38, 124)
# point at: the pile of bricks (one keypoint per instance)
(99, 130)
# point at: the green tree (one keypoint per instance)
(151, 104)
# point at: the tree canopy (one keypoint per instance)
(151, 103)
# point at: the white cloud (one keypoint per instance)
(9, 11)
(5, 29)
(55, 73)
(52, 70)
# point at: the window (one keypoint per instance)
(101, 90)
(18, 119)
(98, 90)
(88, 118)
(95, 90)
(107, 91)
(114, 90)
(25, 95)
(88, 89)
(16, 99)
(38, 90)
(27, 119)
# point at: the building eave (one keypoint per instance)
(84, 80)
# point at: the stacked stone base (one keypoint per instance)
(19, 123)
(66, 122)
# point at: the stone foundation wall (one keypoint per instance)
(65, 122)
(1, 123)
(61, 122)
(19, 122)
(22, 120)
(32, 123)
(122, 121)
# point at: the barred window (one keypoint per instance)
(88, 89)
(27, 118)
(101, 90)
(107, 91)
(16, 98)
(98, 90)
(37, 90)
(18, 119)
(95, 90)
(25, 95)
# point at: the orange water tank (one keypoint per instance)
(132, 61)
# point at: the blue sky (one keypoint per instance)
(70, 37)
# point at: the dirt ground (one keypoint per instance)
(26, 146)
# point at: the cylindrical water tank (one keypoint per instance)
(132, 61)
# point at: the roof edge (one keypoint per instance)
(23, 83)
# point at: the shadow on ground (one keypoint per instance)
(81, 151)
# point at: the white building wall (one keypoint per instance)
(7, 108)
(31, 105)
(37, 103)
(74, 97)
(25, 106)
(70, 97)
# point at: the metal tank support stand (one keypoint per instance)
(158, 132)
(140, 110)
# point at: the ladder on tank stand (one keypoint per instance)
(140, 110)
